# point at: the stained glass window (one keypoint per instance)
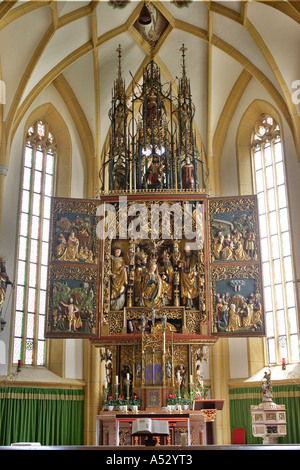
(277, 263)
(32, 265)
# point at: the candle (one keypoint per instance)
(178, 375)
(117, 380)
(127, 376)
(191, 379)
(105, 384)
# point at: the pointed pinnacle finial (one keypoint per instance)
(183, 49)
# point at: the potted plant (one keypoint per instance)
(121, 402)
(185, 401)
(111, 402)
(134, 400)
(172, 400)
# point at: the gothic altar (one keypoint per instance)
(154, 270)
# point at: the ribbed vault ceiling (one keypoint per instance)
(72, 45)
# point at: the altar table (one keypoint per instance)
(116, 427)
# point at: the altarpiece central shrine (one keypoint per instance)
(154, 270)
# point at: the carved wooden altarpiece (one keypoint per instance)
(154, 270)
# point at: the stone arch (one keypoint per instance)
(49, 113)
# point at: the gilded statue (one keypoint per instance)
(152, 285)
(118, 279)
(188, 171)
(71, 251)
(188, 276)
(119, 174)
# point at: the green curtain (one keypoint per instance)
(48, 416)
(241, 400)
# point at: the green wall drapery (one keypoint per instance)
(241, 400)
(48, 416)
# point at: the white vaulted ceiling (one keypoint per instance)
(40, 41)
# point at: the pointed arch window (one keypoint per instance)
(275, 239)
(37, 184)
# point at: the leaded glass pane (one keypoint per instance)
(44, 254)
(268, 299)
(50, 164)
(284, 221)
(259, 181)
(275, 247)
(290, 294)
(280, 173)
(25, 201)
(18, 323)
(17, 349)
(266, 274)
(28, 157)
(20, 298)
(264, 250)
(26, 178)
(283, 347)
(257, 160)
(41, 353)
(46, 230)
(48, 185)
(33, 251)
(268, 156)
(269, 177)
(47, 207)
(281, 322)
(37, 181)
(270, 323)
(43, 280)
(36, 204)
(271, 199)
(279, 296)
(277, 271)
(21, 272)
(42, 308)
(288, 269)
(24, 224)
(22, 248)
(281, 196)
(263, 225)
(41, 326)
(273, 223)
(35, 222)
(272, 352)
(30, 325)
(286, 245)
(278, 152)
(261, 203)
(39, 160)
(31, 299)
(292, 317)
(32, 274)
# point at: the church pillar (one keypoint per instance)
(92, 377)
(219, 370)
(256, 355)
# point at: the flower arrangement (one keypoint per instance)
(121, 401)
(111, 401)
(185, 399)
(134, 400)
(172, 399)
